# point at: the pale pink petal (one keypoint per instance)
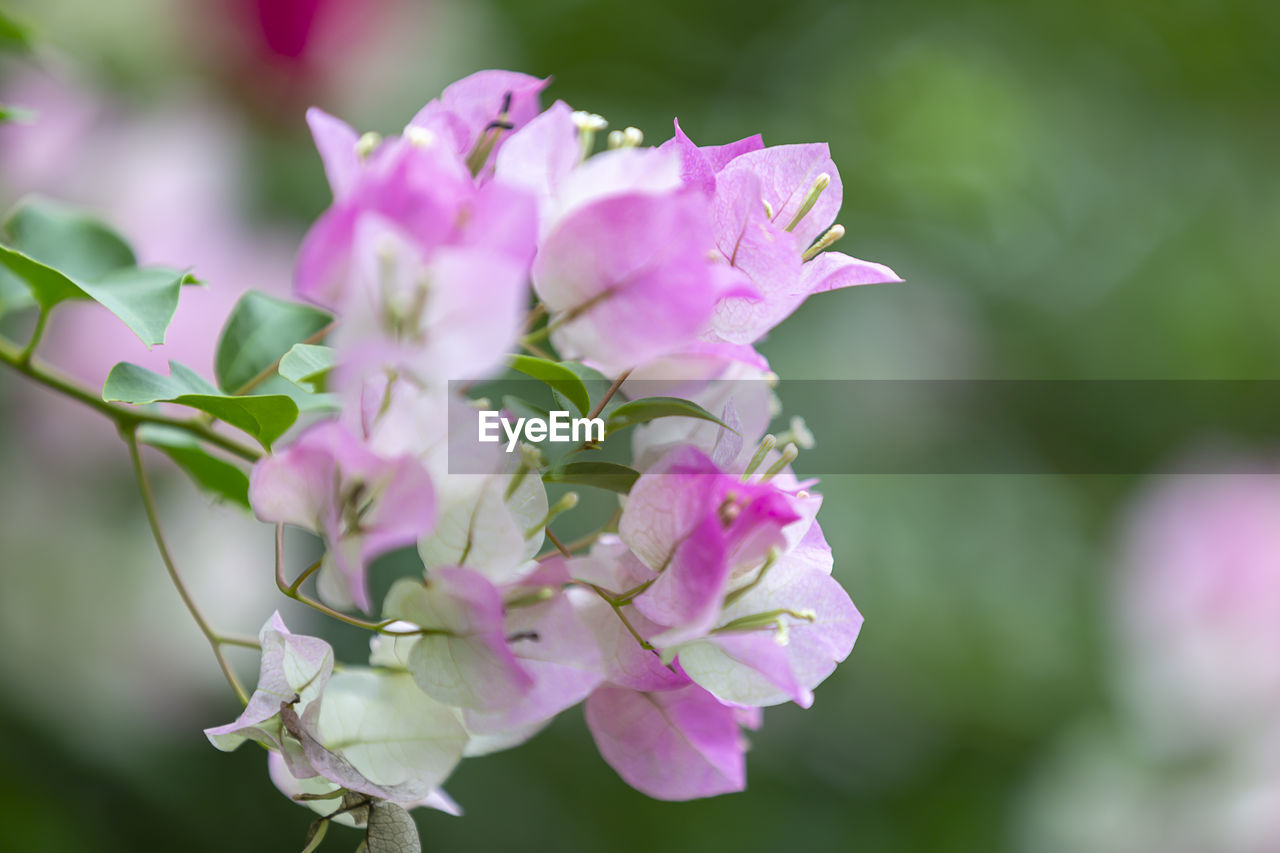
(540, 156)
(294, 668)
(376, 733)
(746, 668)
(466, 108)
(688, 594)
(676, 745)
(472, 665)
(611, 566)
(292, 787)
(322, 257)
(293, 486)
(666, 503)
(626, 662)
(554, 646)
(787, 173)
(328, 477)
(336, 142)
(624, 171)
(631, 276)
(833, 270)
(700, 165)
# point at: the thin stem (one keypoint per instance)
(126, 418)
(608, 395)
(592, 444)
(576, 545)
(242, 642)
(270, 370)
(612, 602)
(617, 609)
(538, 312)
(36, 335)
(555, 540)
(535, 336)
(149, 503)
(291, 591)
(311, 570)
(630, 595)
(534, 349)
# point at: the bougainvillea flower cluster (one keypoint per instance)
(491, 228)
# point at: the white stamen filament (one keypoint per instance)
(834, 233)
(766, 444)
(799, 434)
(419, 137)
(367, 144)
(789, 454)
(823, 181)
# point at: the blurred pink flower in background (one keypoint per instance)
(1198, 609)
(1190, 760)
(277, 55)
(170, 180)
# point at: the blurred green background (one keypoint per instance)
(1080, 190)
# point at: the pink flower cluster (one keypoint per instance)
(711, 596)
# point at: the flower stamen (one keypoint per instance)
(821, 183)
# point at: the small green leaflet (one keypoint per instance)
(602, 475)
(260, 332)
(10, 113)
(266, 417)
(558, 376)
(216, 476)
(650, 408)
(306, 365)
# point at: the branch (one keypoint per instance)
(148, 501)
(291, 590)
(125, 418)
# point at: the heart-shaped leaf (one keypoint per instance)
(266, 417)
(259, 333)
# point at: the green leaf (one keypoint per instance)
(216, 476)
(391, 830)
(60, 253)
(9, 113)
(260, 331)
(650, 408)
(14, 34)
(323, 403)
(144, 298)
(48, 286)
(66, 238)
(522, 408)
(14, 295)
(602, 475)
(266, 417)
(305, 365)
(557, 375)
